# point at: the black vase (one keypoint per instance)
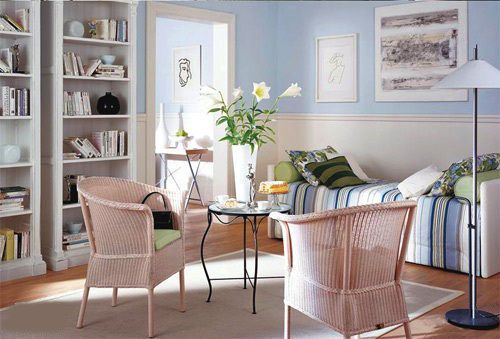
(108, 104)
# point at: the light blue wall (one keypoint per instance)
(275, 43)
(178, 33)
(299, 23)
(255, 42)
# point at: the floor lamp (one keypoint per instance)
(474, 74)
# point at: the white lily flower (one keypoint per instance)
(292, 91)
(237, 93)
(207, 102)
(260, 91)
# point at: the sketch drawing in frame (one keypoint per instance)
(336, 68)
(416, 45)
(186, 70)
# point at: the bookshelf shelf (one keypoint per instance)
(95, 116)
(17, 164)
(25, 132)
(15, 213)
(15, 35)
(94, 42)
(15, 118)
(75, 161)
(73, 77)
(70, 206)
(15, 75)
(56, 126)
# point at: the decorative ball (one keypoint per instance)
(74, 28)
(108, 104)
(10, 154)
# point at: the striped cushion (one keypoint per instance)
(334, 173)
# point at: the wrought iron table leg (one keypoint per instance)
(245, 253)
(256, 244)
(209, 217)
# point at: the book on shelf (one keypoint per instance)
(8, 253)
(12, 192)
(9, 24)
(76, 103)
(91, 67)
(2, 245)
(16, 244)
(73, 64)
(11, 204)
(23, 18)
(110, 71)
(110, 143)
(69, 238)
(82, 146)
(71, 156)
(15, 101)
(109, 29)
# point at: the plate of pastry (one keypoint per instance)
(231, 204)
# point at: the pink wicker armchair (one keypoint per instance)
(122, 240)
(344, 266)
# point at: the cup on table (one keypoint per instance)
(222, 198)
(263, 205)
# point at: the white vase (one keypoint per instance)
(161, 133)
(242, 156)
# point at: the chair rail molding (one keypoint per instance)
(424, 117)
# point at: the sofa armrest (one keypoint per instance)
(490, 227)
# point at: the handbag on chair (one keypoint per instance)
(162, 219)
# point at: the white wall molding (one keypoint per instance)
(452, 118)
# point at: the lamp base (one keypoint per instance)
(462, 318)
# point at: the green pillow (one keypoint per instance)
(335, 173)
(285, 171)
(463, 186)
(165, 237)
(301, 158)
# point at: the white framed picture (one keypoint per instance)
(186, 70)
(336, 68)
(416, 45)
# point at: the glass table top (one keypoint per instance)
(282, 208)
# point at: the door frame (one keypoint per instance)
(224, 79)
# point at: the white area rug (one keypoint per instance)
(228, 315)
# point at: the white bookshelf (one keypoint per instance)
(56, 126)
(25, 132)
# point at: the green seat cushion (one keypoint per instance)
(285, 171)
(165, 237)
(335, 173)
(463, 186)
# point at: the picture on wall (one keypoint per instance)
(336, 68)
(416, 45)
(186, 73)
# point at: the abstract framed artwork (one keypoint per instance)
(186, 70)
(336, 68)
(416, 45)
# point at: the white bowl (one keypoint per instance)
(74, 227)
(108, 59)
(9, 154)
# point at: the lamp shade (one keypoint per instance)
(473, 74)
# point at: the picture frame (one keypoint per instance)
(416, 45)
(337, 68)
(186, 71)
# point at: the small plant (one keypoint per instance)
(181, 133)
(246, 125)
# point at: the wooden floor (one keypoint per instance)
(224, 239)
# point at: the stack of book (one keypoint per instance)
(77, 103)
(15, 101)
(73, 64)
(110, 71)
(21, 24)
(110, 29)
(110, 143)
(12, 198)
(74, 241)
(14, 245)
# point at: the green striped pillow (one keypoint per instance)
(334, 173)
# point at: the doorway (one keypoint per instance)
(209, 36)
